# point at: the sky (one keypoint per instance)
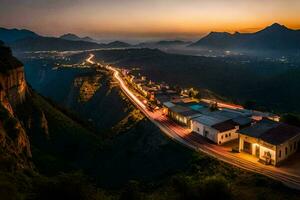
(146, 19)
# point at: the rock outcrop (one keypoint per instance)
(13, 87)
(14, 142)
(88, 86)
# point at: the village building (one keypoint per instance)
(216, 130)
(219, 126)
(271, 142)
(182, 115)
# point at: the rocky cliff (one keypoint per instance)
(14, 142)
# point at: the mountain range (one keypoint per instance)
(274, 37)
(73, 37)
(25, 40)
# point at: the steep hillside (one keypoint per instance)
(34, 133)
(92, 96)
(15, 146)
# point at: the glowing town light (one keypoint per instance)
(122, 84)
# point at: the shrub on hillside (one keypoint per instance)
(216, 187)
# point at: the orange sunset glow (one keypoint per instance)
(156, 18)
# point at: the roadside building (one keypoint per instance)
(271, 142)
(219, 126)
(166, 106)
(215, 129)
(182, 115)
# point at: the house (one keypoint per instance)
(270, 141)
(215, 129)
(219, 126)
(182, 115)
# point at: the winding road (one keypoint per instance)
(196, 142)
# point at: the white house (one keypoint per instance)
(216, 130)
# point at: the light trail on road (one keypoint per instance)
(89, 59)
(123, 85)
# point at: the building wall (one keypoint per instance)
(213, 134)
(178, 118)
(227, 136)
(242, 139)
(205, 131)
(263, 148)
(287, 149)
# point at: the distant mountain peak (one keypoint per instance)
(219, 33)
(87, 38)
(118, 43)
(275, 27)
(70, 36)
(74, 37)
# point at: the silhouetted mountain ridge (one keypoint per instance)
(274, 37)
(73, 37)
(26, 40)
(10, 35)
